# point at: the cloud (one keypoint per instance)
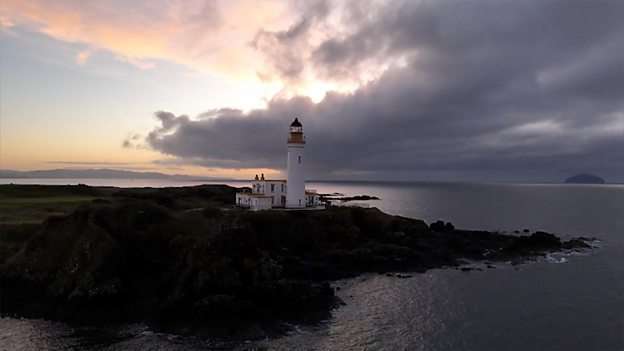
(479, 90)
(5, 22)
(89, 163)
(206, 35)
(268, 45)
(424, 89)
(83, 56)
(133, 141)
(290, 54)
(285, 50)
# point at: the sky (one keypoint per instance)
(472, 90)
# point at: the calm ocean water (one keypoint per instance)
(561, 303)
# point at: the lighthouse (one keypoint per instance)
(266, 194)
(295, 196)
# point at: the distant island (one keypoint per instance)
(585, 178)
(187, 259)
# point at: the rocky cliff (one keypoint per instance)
(185, 255)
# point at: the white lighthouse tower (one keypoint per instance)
(266, 194)
(295, 195)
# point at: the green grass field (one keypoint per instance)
(35, 210)
(33, 204)
(24, 207)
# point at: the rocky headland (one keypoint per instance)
(185, 256)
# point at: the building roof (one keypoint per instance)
(255, 195)
(296, 123)
(271, 180)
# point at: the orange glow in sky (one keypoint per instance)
(86, 74)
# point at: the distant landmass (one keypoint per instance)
(585, 178)
(104, 173)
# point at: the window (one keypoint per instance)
(282, 187)
(299, 159)
(272, 188)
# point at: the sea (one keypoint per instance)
(559, 302)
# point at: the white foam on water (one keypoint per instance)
(556, 258)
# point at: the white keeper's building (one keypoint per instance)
(286, 193)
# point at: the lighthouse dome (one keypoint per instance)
(296, 133)
(296, 123)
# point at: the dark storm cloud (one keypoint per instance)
(503, 89)
(283, 49)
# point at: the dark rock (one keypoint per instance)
(576, 244)
(342, 198)
(441, 227)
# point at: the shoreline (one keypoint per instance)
(138, 254)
